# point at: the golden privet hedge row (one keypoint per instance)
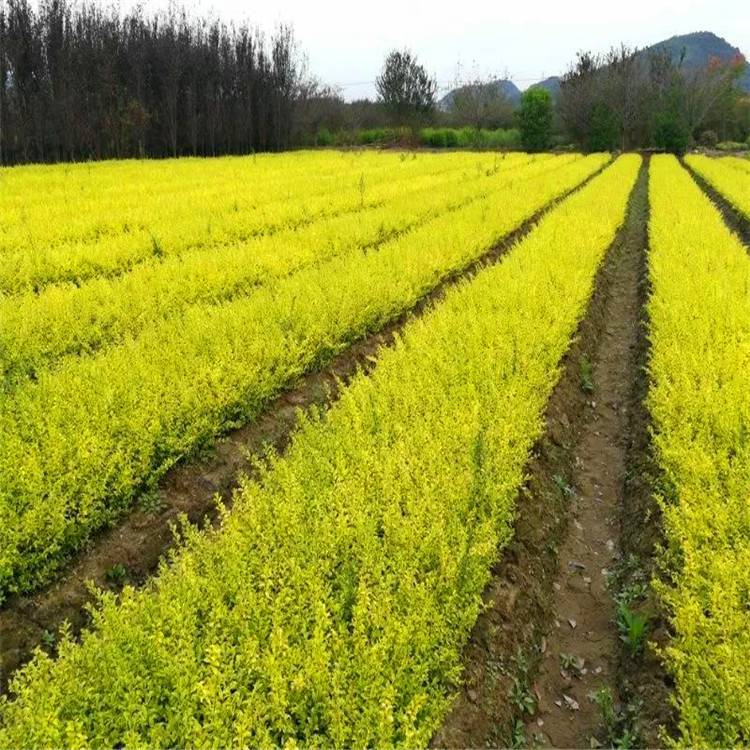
(332, 606)
(85, 436)
(699, 400)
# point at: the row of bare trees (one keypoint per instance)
(80, 82)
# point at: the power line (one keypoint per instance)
(446, 83)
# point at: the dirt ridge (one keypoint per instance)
(129, 552)
(734, 220)
(549, 637)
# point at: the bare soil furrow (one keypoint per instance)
(578, 670)
(738, 223)
(646, 712)
(549, 637)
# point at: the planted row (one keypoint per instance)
(36, 200)
(332, 607)
(737, 162)
(83, 440)
(164, 225)
(36, 329)
(728, 180)
(699, 400)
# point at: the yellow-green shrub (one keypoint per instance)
(700, 405)
(105, 222)
(727, 177)
(38, 328)
(332, 606)
(82, 440)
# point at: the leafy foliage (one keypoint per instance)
(535, 119)
(476, 138)
(54, 323)
(699, 400)
(730, 176)
(671, 132)
(332, 607)
(86, 435)
(633, 627)
(732, 146)
(604, 132)
(586, 372)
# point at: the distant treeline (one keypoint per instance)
(442, 137)
(630, 98)
(82, 82)
(625, 99)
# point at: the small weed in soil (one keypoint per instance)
(563, 486)
(49, 640)
(518, 736)
(586, 371)
(520, 694)
(620, 723)
(117, 574)
(633, 627)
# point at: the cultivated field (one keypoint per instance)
(376, 375)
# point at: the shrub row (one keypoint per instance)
(85, 438)
(81, 226)
(62, 320)
(474, 138)
(732, 182)
(466, 137)
(699, 400)
(332, 606)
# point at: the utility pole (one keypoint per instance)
(3, 77)
(2, 97)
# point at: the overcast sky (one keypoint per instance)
(345, 40)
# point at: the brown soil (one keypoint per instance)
(733, 218)
(643, 683)
(191, 489)
(550, 606)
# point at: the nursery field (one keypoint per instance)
(151, 310)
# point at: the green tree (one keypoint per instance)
(535, 119)
(671, 132)
(405, 88)
(604, 131)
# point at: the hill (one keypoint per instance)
(551, 84)
(698, 47)
(506, 87)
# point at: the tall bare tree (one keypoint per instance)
(481, 103)
(80, 81)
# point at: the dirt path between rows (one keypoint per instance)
(578, 671)
(130, 551)
(550, 639)
(732, 217)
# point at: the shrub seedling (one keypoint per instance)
(632, 627)
(586, 372)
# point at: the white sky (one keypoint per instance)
(346, 40)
